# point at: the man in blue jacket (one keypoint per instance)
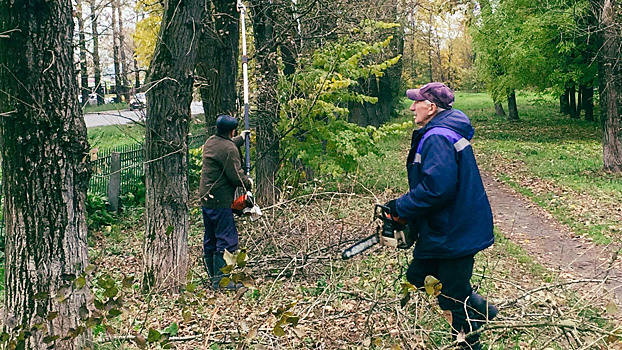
(448, 204)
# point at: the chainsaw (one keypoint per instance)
(392, 232)
(245, 205)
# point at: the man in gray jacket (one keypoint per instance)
(221, 174)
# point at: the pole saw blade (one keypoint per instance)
(360, 246)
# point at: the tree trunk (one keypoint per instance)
(610, 81)
(580, 100)
(267, 102)
(512, 108)
(97, 71)
(166, 146)
(84, 75)
(217, 67)
(499, 110)
(588, 102)
(118, 83)
(45, 176)
(124, 80)
(564, 102)
(573, 103)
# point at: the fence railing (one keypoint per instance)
(131, 167)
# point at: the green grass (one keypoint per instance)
(105, 107)
(111, 136)
(550, 158)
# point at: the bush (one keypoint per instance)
(97, 214)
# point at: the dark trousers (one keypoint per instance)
(455, 275)
(220, 231)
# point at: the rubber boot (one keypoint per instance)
(482, 308)
(219, 264)
(208, 260)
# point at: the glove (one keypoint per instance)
(251, 181)
(244, 133)
(392, 205)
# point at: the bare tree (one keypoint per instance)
(97, 71)
(169, 95)
(45, 176)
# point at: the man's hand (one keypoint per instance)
(392, 205)
(244, 133)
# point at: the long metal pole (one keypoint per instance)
(242, 10)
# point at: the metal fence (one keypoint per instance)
(131, 166)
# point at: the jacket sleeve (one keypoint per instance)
(439, 179)
(238, 140)
(233, 169)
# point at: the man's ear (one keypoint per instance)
(433, 108)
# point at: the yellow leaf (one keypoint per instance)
(611, 307)
(432, 285)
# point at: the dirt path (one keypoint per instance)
(550, 243)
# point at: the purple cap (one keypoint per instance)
(438, 93)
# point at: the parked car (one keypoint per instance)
(138, 101)
(92, 99)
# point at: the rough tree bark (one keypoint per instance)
(217, 63)
(267, 113)
(609, 15)
(45, 174)
(169, 96)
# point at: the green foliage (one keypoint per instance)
(314, 121)
(147, 30)
(96, 213)
(532, 44)
(195, 162)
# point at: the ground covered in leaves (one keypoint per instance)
(303, 296)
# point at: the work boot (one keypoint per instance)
(482, 308)
(208, 260)
(219, 264)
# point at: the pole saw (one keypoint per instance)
(245, 204)
(391, 231)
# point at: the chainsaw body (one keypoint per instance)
(391, 231)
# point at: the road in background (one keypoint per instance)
(126, 116)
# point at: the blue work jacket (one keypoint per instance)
(447, 200)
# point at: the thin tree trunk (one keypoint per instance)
(84, 75)
(124, 80)
(431, 76)
(267, 101)
(45, 176)
(573, 103)
(610, 81)
(217, 66)
(588, 102)
(118, 83)
(97, 71)
(499, 110)
(169, 96)
(512, 107)
(564, 102)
